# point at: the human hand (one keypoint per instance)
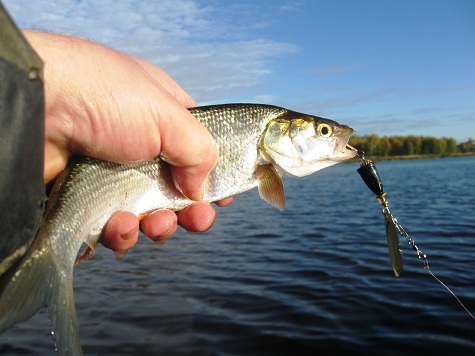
(109, 105)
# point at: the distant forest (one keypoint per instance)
(375, 145)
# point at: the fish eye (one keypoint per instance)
(324, 130)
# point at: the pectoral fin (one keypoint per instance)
(270, 185)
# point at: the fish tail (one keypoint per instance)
(36, 282)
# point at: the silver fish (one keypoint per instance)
(258, 144)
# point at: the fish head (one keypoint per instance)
(298, 144)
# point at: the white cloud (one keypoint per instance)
(264, 98)
(224, 69)
(207, 49)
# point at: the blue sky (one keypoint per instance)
(385, 67)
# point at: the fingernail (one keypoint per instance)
(130, 234)
(194, 195)
(197, 196)
(165, 236)
(171, 230)
(120, 254)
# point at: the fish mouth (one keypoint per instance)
(343, 151)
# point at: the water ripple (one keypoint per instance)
(314, 279)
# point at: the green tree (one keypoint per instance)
(468, 146)
(384, 147)
(372, 144)
(408, 147)
(397, 145)
(359, 142)
(451, 146)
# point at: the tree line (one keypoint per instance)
(375, 145)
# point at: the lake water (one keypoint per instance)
(314, 279)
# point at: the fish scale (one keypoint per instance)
(236, 132)
(257, 145)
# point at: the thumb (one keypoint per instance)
(190, 149)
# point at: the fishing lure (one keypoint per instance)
(372, 179)
(370, 176)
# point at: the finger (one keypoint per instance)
(121, 231)
(56, 159)
(159, 225)
(190, 180)
(190, 149)
(198, 217)
(224, 202)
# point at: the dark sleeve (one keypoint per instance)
(22, 191)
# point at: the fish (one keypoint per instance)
(258, 145)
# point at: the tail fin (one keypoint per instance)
(36, 282)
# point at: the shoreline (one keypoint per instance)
(411, 157)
